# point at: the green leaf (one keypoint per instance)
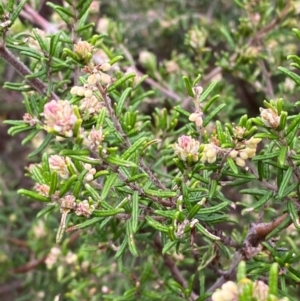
(207, 234)
(119, 162)
(42, 146)
(232, 165)
(106, 213)
(188, 86)
(294, 124)
(130, 239)
(213, 209)
(209, 103)
(83, 6)
(273, 279)
(266, 156)
(161, 193)
(30, 136)
(40, 40)
(66, 186)
(254, 191)
(116, 59)
(122, 99)
(156, 225)
(135, 211)
(109, 182)
(208, 90)
(54, 44)
(120, 81)
(122, 248)
(293, 213)
(285, 182)
(282, 155)
(168, 246)
(34, 195)
(258, 204)
(215, 112)
(295, 77)
(53, 183)
(16, 12)
(46, 210)
(134, 147)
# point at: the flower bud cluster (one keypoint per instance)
(59, 117)
(228, 292)
(270, 118)
(91, 172)
(94, 138)
(197, 118)
(59, 164)
(42, 189)
(210, 153)
(187, 147)
(84, 50)
(32, 121)
(248, 152)
(84, 208)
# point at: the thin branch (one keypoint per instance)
(23, 70)
(256, 234)
(176, 273)
(119, 128)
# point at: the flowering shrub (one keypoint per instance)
(160, 180)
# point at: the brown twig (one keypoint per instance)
(23, 70)
(169, 262)
(119, 128)
(256, 234)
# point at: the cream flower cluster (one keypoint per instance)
(246, 151)
(94, 138)
(59, 164)
(210, 153)
(230, 290)
(59, 117)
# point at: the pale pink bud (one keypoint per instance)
(197, 118)
(187, 146)
(42, 189)
(29, 119)
(59, 164)
(94, 138)
(68, 202)
(260, 290)
(84, 208)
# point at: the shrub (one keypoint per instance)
(167, 186)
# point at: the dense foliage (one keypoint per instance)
(162, 148)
